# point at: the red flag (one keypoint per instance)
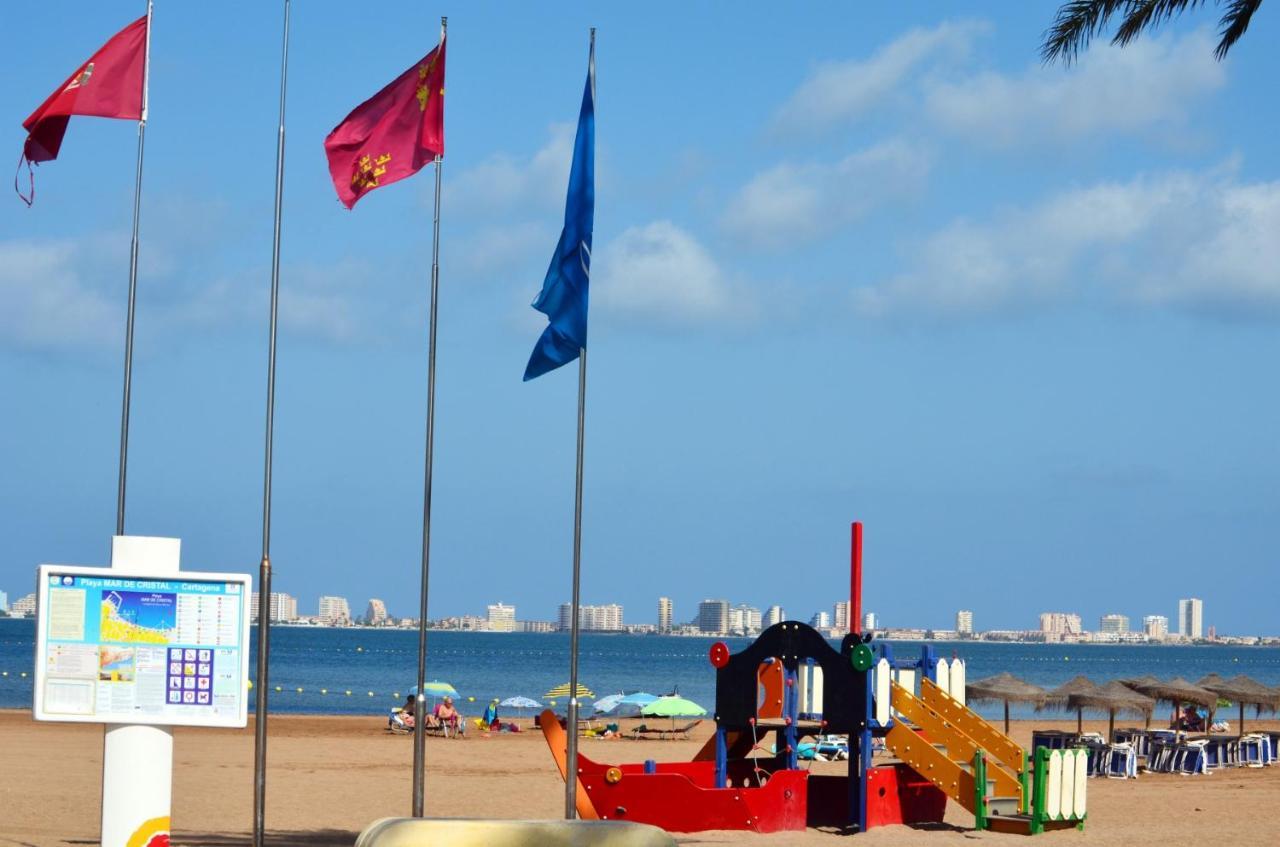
(109, 85)
(392, 134)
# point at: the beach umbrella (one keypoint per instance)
(563, 691)
(607, 704)
(1113, 697)
(1005, 688)
(435, 688)
(628, 704)
(1176, 692)
(520, 704)
(1137, 683)
(672, 707)
(1244, 690)
(1077, 685)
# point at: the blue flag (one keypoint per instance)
(563, 298)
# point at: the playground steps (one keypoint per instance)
(934, 738)
(954, 743)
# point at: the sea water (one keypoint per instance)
(327, 663)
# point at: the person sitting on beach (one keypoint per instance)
(402, 718)
(1191, 720)
(448, 717)
(490, 718)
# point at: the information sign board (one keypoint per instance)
(111, 648)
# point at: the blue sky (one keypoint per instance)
(870, 262)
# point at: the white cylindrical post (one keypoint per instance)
(137, 784)
(137, 761)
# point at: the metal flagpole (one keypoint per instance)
(419, 718)
(264, 571)
(571, 766)
(571, 753)
(133, 286)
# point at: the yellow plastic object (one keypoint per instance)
(613, 776)
(960, 747)
(997, 745)
(931, 764)
(458, 832)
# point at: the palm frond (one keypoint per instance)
(1234, 23)
(1078, 21)
(1147, 15)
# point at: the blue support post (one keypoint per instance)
(650, 766)
(929, 663)
(791, 711)
(722, 759)
(860, 764)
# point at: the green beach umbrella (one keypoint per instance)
(672, 707)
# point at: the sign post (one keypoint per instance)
(140, 647)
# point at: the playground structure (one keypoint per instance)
(791, 684)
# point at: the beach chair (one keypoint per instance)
(1251, 751)
(832, 748)
(643, 731)
(680, 731)
(1189, 758)
(396, 723)
(1121, 761)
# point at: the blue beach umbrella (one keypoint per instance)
(638, 698)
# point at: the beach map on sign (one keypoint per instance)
(138, 617)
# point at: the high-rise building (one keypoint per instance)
(592, 618)
(376, 614)
(964, 622)
(502, 618)
(775, 615)
(870, 623)
(664, 615)
(334, 611)
(1191, 617)
(713, 616)
(744, 619)
(1114, 624)
(24, 607)
(4, 602)
(283, 607)
(820, 620)
(1060, 623)
(1155, 626)
(840, 615)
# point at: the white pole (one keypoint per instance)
(137, 760)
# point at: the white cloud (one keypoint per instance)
(836, 92)
(504, 182)
(48, 302)
(660, 271)
(1197, 241)
(1151, 82)
(793, 203)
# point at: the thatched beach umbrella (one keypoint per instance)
(1005, 688)
(1176, 692)
(1136, 684)
(1078, 685)
(1113, 697)
(1244, 690)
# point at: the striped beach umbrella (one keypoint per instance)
(561, 691)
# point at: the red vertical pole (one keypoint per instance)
(855, 580)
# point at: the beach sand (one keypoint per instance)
(329, 777)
